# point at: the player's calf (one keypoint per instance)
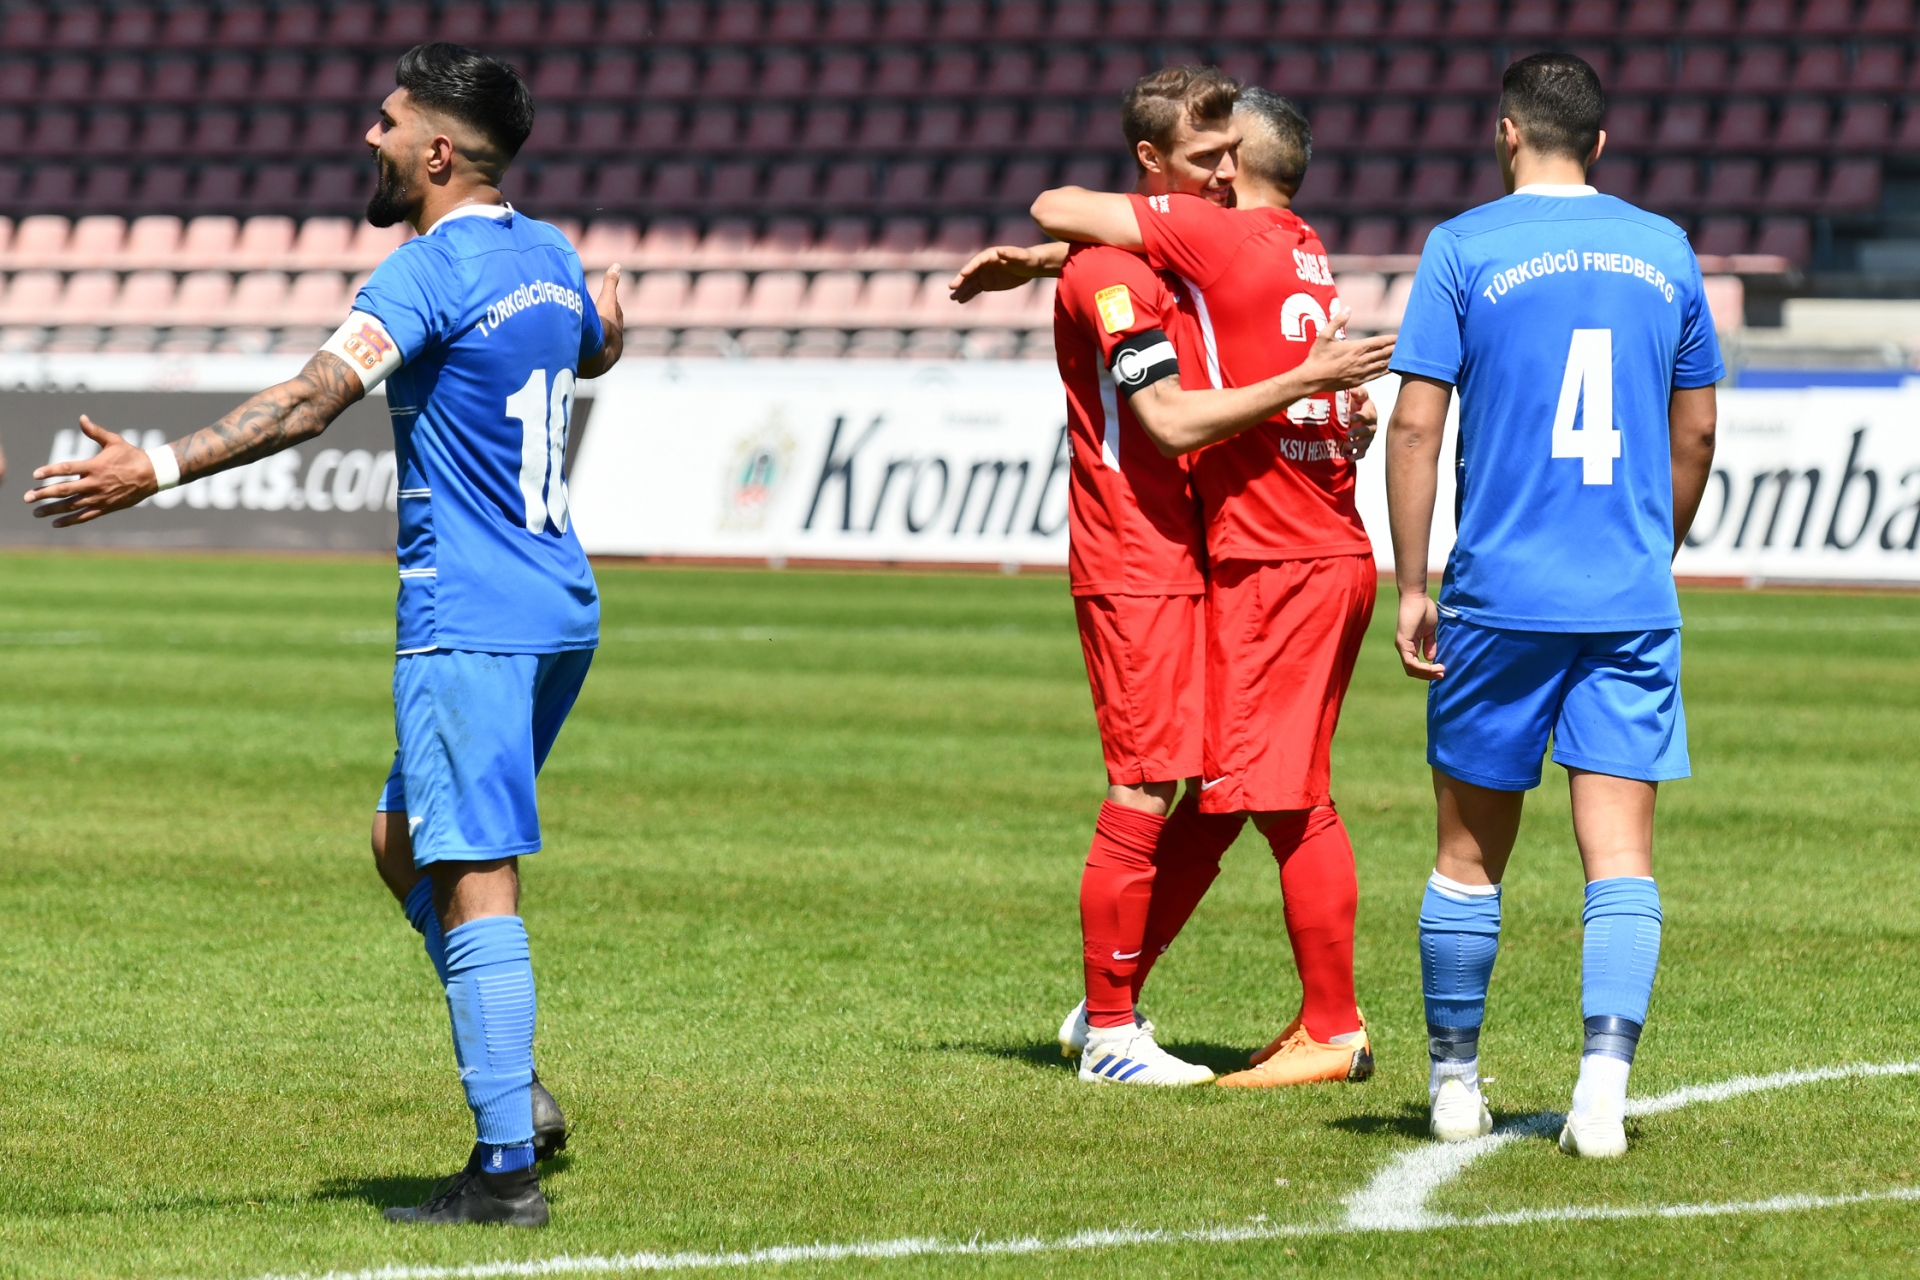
(1620, 953)
(1459, 941)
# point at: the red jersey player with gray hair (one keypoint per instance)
(1292, 579)
(1137, 559)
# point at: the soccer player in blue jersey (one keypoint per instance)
(1576, 331)
(479, 327)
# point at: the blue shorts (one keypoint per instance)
(474, 729)
(1610, 700)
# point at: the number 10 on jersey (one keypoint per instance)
(1588, 379)
(543, 418)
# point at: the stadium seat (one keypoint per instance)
(204, 298)
(954, 71)
(464, 22)
(1724, 236)
(1473, 19)
(39, 240)
(1743, 126)
(1629, 125)
(1886, 18)
(259, 298)
(1804, 126)
(1793, 185)
(1789, 238)
(51, 187)
(1068, 71)
(1704, 69)
(1820, 69)
(1864, 126)
(1244, 19)
(296, 26)
(270, 133)
(67, 80)
(848, 183)
(1449, 126)
(1683, 126)
(1389, 126)
(1827, 18)
(899, 71)
(1617, 175)
(218, 186)
(1351, 71)
(122, 80)
(1336, 128)
(1409, 71)
(774, 300)
(1853, 186)
(1709, 18)
(717, 298)
(1592, 18)
(55, 135)
(336, 78)
(1672, 185)
(617, 185)
(1469, 71)
(1415, 19)
(616, 75)
(1021, 181)
(657, 297)
(831, 299)
(1435, 185)
(161, 186)
(30, 297)
(1734, 184)
(407, 23)
(1878, 68)
(1533, 18)
(145, 298)
(1762, 68)
(1767, 18)
(263, 242)
(675, 185)
(1646, 69)
(670, 74)
(1009, 72)
(713, 128)
(791, 184)
(1296, 72)
(906, 184)
(1373, 237)
(216, 132)
(1375, 185)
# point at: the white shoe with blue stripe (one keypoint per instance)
(1073, 1032)
(1128, 1055)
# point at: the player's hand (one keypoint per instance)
(1413, 636)
(1363, 423)
(613, 324)
(1005, 266)
(113, 479)
(1335, 364)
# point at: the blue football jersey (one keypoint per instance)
(1566, 321)
(491, 316)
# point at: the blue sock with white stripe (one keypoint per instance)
(425, 920)
(490, 997)
(1459, 941)
(1621, 952)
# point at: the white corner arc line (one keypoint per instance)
(1357, 1221)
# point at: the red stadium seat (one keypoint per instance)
(408, 22)
(850, 20)
(67, 80)
(1672, 185)
(1018, 20)
(276, 188)
(1820, 68)
(77, 27)
(87, 299)
(557, 77)
(657, 297)
(1723, 235)
(1827, 18)
(1473, 19)
(1415, 19)
(1683, 125)
(1789, 238)
(1119, 68)
(1617, 176)
(785, 74)
(883, 125)
(463, 22)
(133, 26)
(1435, 185)
(1709, 18)
(1629, 125)
(146, 298)
(163, 133)
(1022, 180)
(1767, 18)
(1793, 184)
(1389, 125)
(219, 186)
(338, 188)
(1864, 126)
(351, 25)
(680, 20)
(676, 185)
(271, 133)
(849, 183)
(737, 20)
(1295, 72)
(1248, 66)
(769, 127)
(994, 127)
(907, 184)
(216, 133)
(1878, 67)
(1804, 125)
(1135, 19)
(161, 186)
(1352, 71)
(1189, 20)
(1246, 20)
(791, 184)
(1358, 19)
(320, 243)
(318, 298)
(617, 186)
(733, 185)
(1322, 186)
(1409, 71)
(242, 26)
(1593, 17)
(336, 78)
(604, 128)
(296, 26)
(552, 131)
(1647, 69)
(1854, 185)
(962, 20)
(1069, 71)
(671, 74)
(954, 71)
(626, 24)
(55, 134)
(1299, 19)
(906, 20)
(282, 78)
(188, 26)
(1074, 20)
(1449, 126)
(1470, 71)
(1887, 18)
(1375, 185)
(1009, 72)
(1650, 18)
(842, 74)
(1734, 184)
(900, 71)
(1095, 173)
(1599, 57)
(327, 131)
(1744, 126)
(109, 132)
(229, 79)
(1533, 18)
(1703, 68)
(520, 22)
(1373, 237)
(827, 127)
(1762, 68)
(1336, 127)
(714, 127)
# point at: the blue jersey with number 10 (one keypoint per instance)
(490, 312)
(1566, 321)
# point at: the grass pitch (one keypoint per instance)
(806, 923)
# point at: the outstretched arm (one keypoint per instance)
(121, 474)
(1006, 266)
(612, 324)
(1181, 421)
(1413, 460)
(1094, 217)
(1692, 416)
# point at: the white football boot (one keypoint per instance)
(1595, 1136)
(1073, 1032)
(1128, 1055)
(1459, 1114)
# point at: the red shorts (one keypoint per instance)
(1282, 636)
(1145, 658)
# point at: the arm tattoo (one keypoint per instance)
(284, 415)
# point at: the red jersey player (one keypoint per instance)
(1137, 562)
(1292, 581)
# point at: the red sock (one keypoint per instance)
(1191, 846)
(1114, 892)
(1316, 877)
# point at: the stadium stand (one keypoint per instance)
(796, 176)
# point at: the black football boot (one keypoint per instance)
(473, 1196)
(549, 1126)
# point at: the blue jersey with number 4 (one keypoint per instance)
(491, 315)
(1566, 322)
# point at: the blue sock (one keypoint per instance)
(490, 998)
(1459, 939)
(422, 916)
(1621, 952)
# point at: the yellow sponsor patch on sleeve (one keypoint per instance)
(1116, 308)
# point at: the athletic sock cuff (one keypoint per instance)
(486, 941)
(1622, 896)
(1612, 1037)
(1454, 889)
(1135, 830)
(1452, 1044)
(1443, 912)
(419, 904)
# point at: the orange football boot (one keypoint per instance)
(1297, 1058)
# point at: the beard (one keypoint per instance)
(392, 198)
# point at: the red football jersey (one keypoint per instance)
(1263, 290)
(1135, 526)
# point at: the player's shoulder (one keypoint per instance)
(1504, 215)
(1094, 266)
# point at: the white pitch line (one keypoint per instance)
(1394, 1200)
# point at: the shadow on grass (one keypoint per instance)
(1046, 1054)
(1410, 1122)
(382, 1193)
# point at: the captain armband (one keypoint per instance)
(1142, 360)
(369, 350)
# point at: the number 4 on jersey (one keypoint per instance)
(1589, 378)
(543, 446)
